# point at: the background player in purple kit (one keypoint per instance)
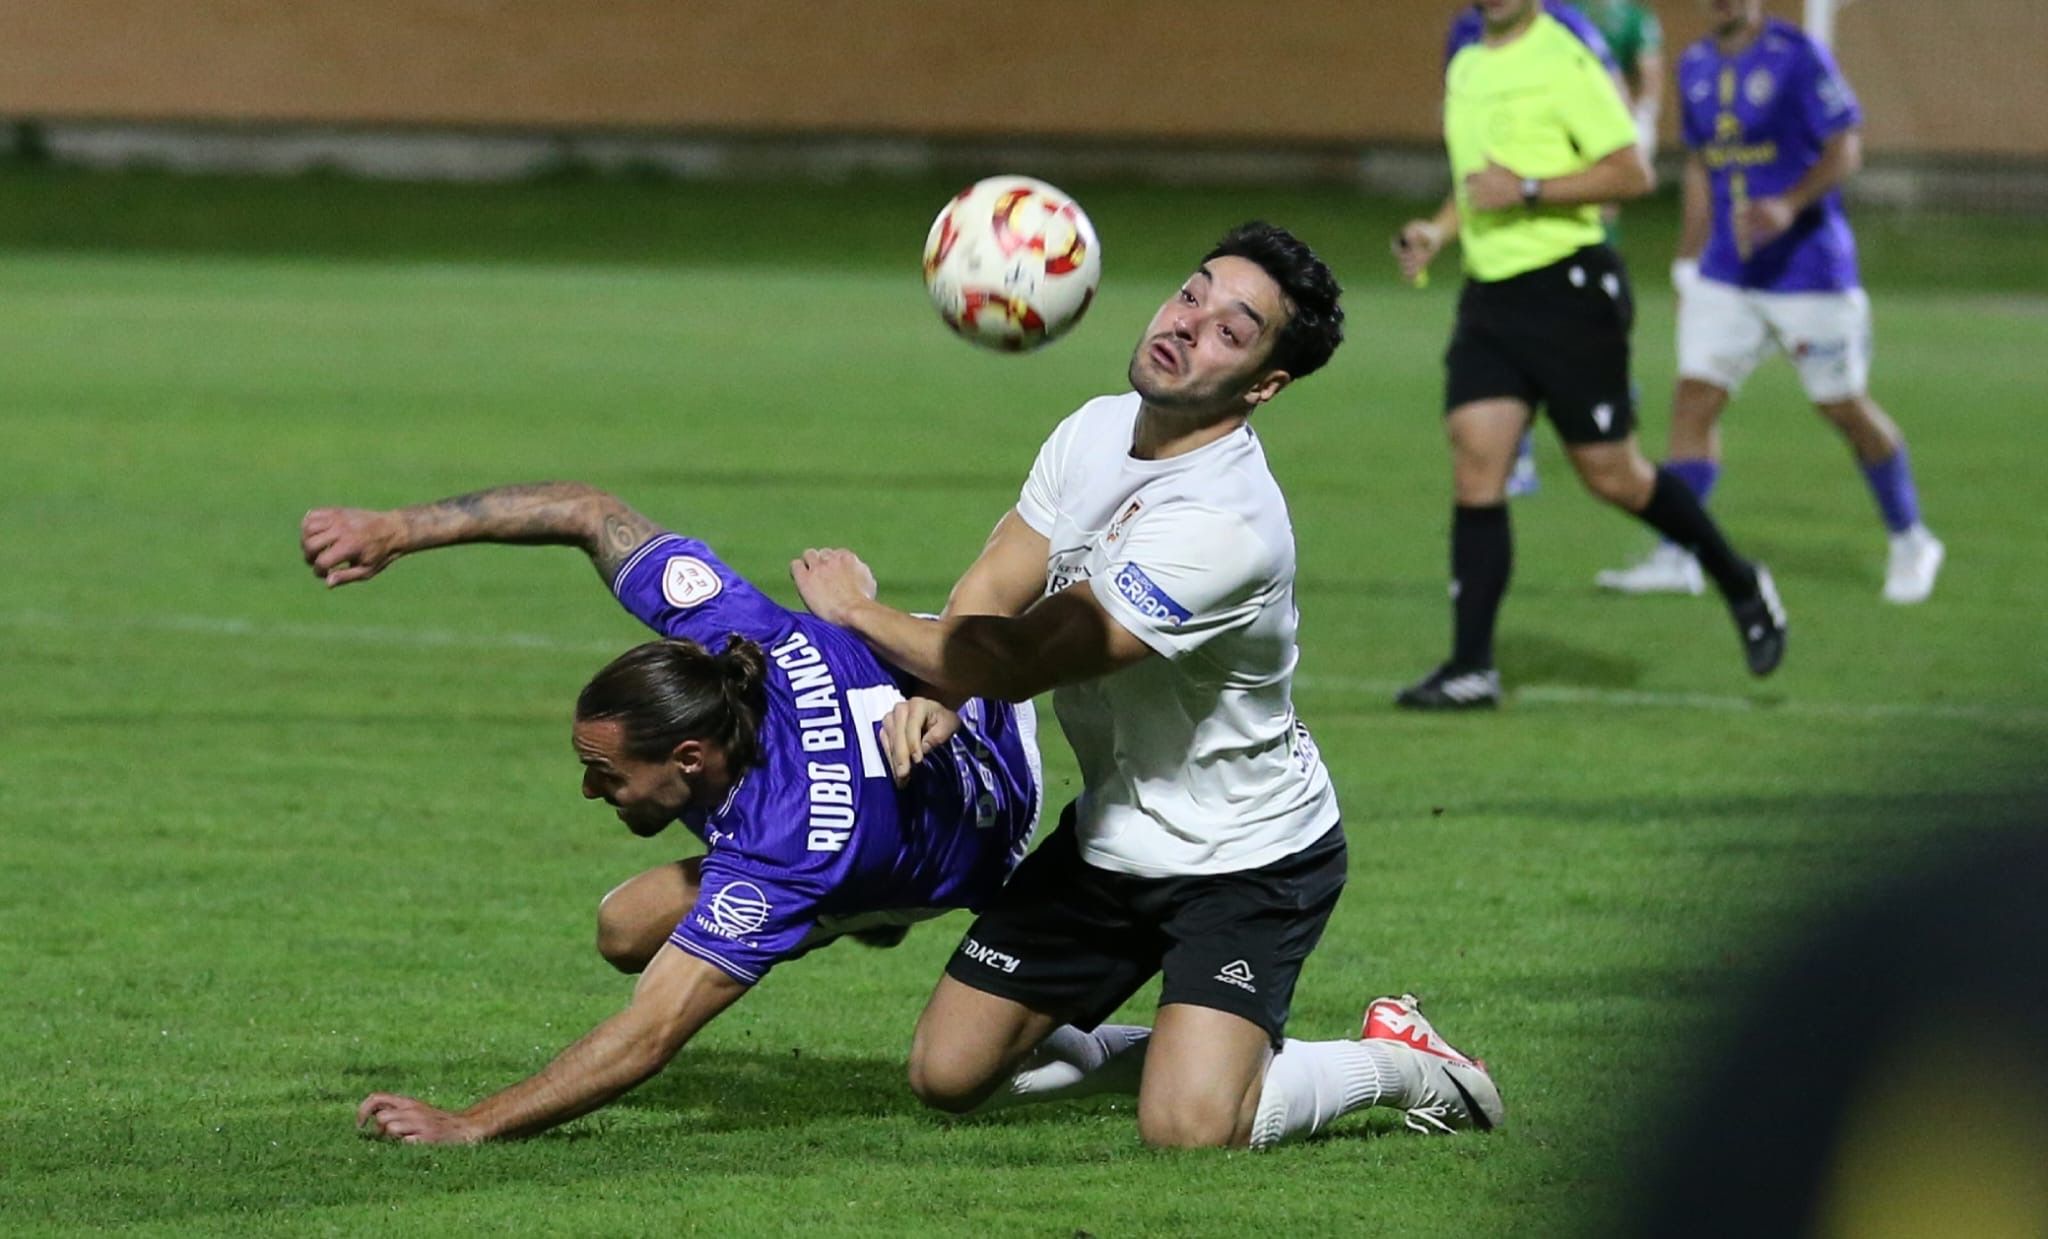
(1766, 263)
(767, 750)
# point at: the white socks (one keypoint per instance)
(1071, 1063)
(1309, 1083)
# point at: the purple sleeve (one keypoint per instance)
(1465, 31)
(1588, 33)
(1826, 104)
(746, 918)
(1692, 115)
(679, 588)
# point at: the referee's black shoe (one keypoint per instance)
(1760, 618)
(1452, 688)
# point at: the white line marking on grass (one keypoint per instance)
(1534, 695)
(359, 634)
(1630, 698)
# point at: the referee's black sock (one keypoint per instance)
(1675, 513)
(1482, 556)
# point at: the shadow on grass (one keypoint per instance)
(1535, 658)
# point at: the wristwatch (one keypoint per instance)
(1532, 191)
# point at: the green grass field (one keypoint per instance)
(265, 848)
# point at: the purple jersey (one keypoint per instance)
(1759, 120)
(816, 832)
(1469, 27)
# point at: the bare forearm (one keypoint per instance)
(958, 656)
(1445, 221)
(1617, 178)
(1696, 219)
(1839, 160)
(536, 513)
(608, 1062)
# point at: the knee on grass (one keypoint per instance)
(947, 1084)
(1189, 1123)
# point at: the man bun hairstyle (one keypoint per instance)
(1315, 321)
(666, 692)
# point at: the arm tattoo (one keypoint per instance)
(625, 531)
(537, 513)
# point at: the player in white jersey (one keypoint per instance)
(1146, 576)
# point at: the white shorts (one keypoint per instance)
(1725, 331)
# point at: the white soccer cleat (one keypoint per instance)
(1451, 1092)
(1915, 562)
(1669, 569)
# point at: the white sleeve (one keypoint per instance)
(1186, 573)
(1039, 502)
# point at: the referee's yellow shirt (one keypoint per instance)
(1542, 106)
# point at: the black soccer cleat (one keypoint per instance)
(1452, 688)
(1760, 619)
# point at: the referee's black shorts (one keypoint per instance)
(1555, 338)
(1074, 941)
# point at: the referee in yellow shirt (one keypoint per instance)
(1539, 138)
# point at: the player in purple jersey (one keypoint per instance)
(1767, 263)
(767, 750)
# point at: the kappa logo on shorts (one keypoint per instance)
(737, 909)
(1238, 973)
(688, 581)
(1603, 417)
(988, 956)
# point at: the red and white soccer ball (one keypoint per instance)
(1011, 263)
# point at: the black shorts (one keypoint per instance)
(1072, 940)
(1555, 338)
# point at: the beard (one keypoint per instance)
(1160, 396)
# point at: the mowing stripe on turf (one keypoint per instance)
(1534, 695)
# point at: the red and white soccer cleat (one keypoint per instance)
(1451, 1091)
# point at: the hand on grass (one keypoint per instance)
(349, 544)
(387, 1116)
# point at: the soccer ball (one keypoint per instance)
(1011, 263)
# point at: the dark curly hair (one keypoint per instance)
(1315, 322)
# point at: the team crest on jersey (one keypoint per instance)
(738, 909)
(1758, 87)
(688, 581)
(1123, 518)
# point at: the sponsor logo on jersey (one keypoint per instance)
(1147, 598)
(737, 909)
(1064, 567)
(989, 956)
(1238, 973)
(688, 581)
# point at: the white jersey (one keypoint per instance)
(1192, 762)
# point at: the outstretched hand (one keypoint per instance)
(388, 1116)
(911, 730)
(350, 544)
(832, 582)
